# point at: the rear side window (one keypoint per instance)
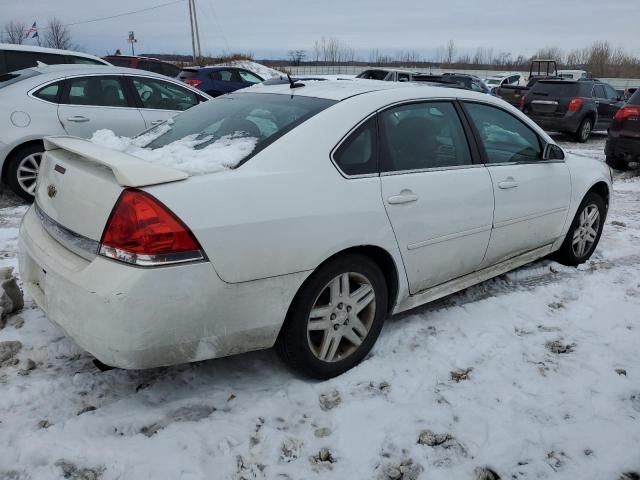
(170, 70)
(50, 93)
(19, 60)
(555, 89)
(97, 91)
(422, 135)
(599, 92)
(505, 138)
(357, 154)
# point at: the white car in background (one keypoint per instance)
(356, 200)
(503, 79)
(78, 100)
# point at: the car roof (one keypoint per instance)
(382, 69)
(343, 89)
(133, 57)
(29, 48)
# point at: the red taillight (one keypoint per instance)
(574, 104)
(627, 112)
(193, 82)
(142, 231)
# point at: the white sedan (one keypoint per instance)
(78, 100)
(357, 201)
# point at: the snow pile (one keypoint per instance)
(257, 68)
(192, 154)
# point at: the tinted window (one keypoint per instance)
(160, 95)
(555, 89)
(423, 135)
(223, 75)
(155, 67)
(610, 92)
(10, 78)
(634, 100)
(598, 91)
(97, 91)
(504, 137)
(119, 62)
(403, 77)
(170, 70)
(374, 74)
(19, 60)
(185, 74)
(477, 86)
(248, 77)
(85, 61)
(50, 93)
(263, 116)
(356, 155)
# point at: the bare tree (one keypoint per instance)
(451, 50)
(296, 57)
(57, 35)
(13, 32)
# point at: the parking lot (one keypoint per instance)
(531, 375)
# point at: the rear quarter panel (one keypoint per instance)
(288, 208)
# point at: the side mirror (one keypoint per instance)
(552, 152)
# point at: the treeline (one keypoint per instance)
(54, 34)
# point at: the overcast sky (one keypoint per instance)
(270, 28)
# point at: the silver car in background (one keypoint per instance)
(78, 100)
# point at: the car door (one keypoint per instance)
(91, 103)
(226, 80)
(614, 102)
(160, 100)
(602, 104)
(439, 202)
(531, 195)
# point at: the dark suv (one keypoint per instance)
(217, 81)
(623, 144)
(576, 107)
(144, 63)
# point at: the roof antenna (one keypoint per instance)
(293, 84)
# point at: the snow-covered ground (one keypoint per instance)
(533, 375)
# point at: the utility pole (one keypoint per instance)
(195, 34)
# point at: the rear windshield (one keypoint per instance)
(635, 98)
(13, 77)
(259, 116)
(185, 74)
(555, 89)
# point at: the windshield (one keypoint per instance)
(262, 117)
(14, 77)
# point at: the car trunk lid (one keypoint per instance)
(79, 183)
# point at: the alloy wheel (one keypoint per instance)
(341, 317)
(586, 232)
(27, 172)
(586, 130)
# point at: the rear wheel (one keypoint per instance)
(584, 130)
(584, 234)
(335, 318)
(22, 171)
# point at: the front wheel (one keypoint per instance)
(22, 171)
(584, 234)
(335, 318)
(584, 130)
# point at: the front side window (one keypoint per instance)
(422, 135)
(611, 92)
(248, 77)
(504, 138)
(403, 77)
(357, 154)
(97, 91)
(49, 93)
(161, 95)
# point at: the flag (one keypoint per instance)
(132, 38)
(33, 30)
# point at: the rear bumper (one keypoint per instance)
(132, 317)
(624, 149)
(566, 123)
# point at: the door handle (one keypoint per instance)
(157, 122)
(406, 196)
(508, 183)
(77, 119)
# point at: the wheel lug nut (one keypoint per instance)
(348, 309)
(340, 306)
(333, 316)
(335, 327)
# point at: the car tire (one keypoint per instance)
(584, 234)
(584, 130)
(616, 163)
(22, 171)
(343, 328)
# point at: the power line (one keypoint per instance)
(125, 14)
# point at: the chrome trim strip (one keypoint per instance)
(434, 169)
(78, 244)
(512, 221)
(452, 236)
